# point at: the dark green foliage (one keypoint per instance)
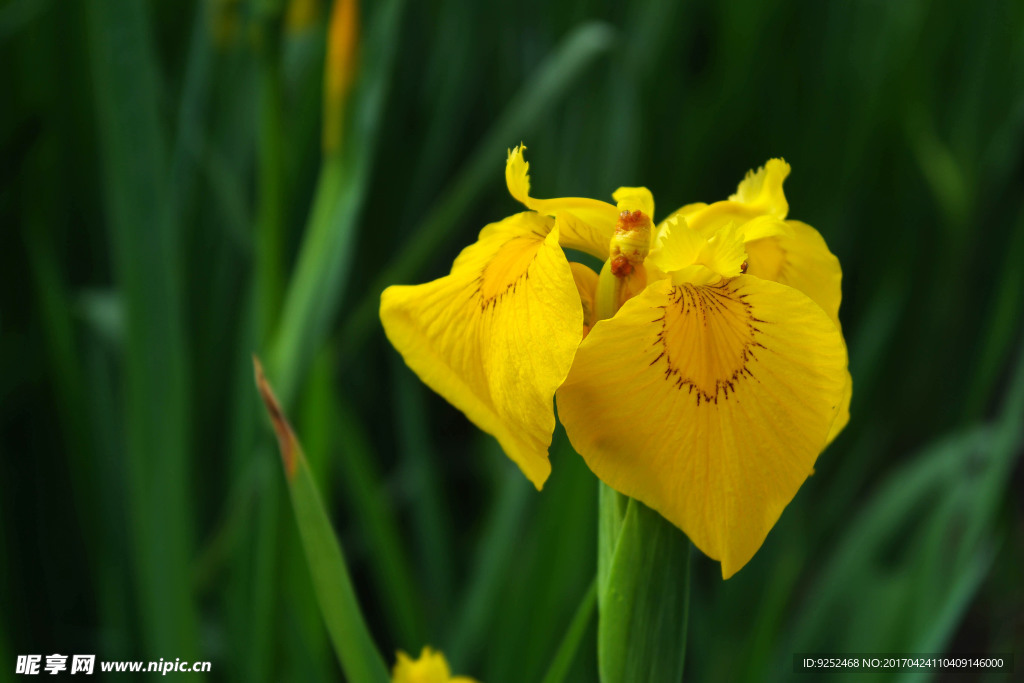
(150, 152)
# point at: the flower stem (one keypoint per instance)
(643, 572)
(643, 594)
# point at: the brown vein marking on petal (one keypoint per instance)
(708, 341)
(286, 440)
(509, 267)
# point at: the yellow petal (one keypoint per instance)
(676, 246)
(692, 257)
(725, 253)
(689, 209)
(710, 404)
(762, 190)
(843, 414)
(586, 286)
(497, 336)
(634, 199)
(765, 226)
(431, 667)
(587, 224)
(801, 260)
(760, 194)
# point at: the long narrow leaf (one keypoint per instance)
(562, 662)
(145, 249)
(350, 636)
(326, 253)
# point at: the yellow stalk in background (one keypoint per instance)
(340, 69)
(301, 15)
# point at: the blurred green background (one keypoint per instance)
(167, 212)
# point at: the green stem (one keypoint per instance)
(644, 598)
(643, 573)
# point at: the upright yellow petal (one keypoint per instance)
(708, 403)
(762, 189)
(759, 195)
(634, 199)
(692, 257)
(497, 336)
(677, 246)
(587, 224)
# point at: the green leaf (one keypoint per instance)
(357, 654)
(641, 634)
(145, 246)
(507, 513)
(911, 561)
(327, 250)
(562, 662)
(389, 562)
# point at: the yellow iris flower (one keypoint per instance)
(701, 373)
(431, 667)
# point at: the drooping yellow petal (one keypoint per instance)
(843, 414)
(708, 403)
(586, 285)
(431, 667)
(802, 260)
(587, 224)
(497, 336)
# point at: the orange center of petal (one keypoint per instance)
(508, 268)
(709, 336)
